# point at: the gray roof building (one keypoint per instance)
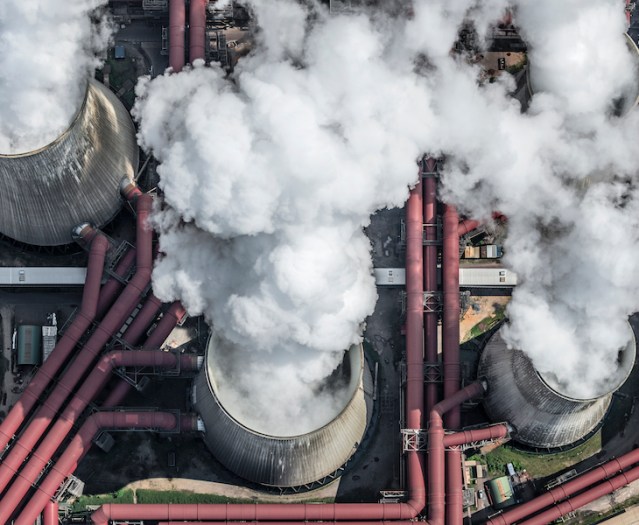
(75, 179)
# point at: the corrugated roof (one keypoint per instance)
(75, 179)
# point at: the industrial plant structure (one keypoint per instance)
(45, 193)
(543, 415)
(78, 179)
(285, 461)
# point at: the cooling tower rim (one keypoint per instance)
(352, 399)
(555, 389)
(62, 135)
(632, 46)
(632, 345)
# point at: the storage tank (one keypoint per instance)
(74, 179)
(536, 405)
(284, 461)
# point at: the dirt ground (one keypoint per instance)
(605, 503)
(231, 491)
(480, 307)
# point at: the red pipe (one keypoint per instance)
(571, 505)
(113, 286)
(64, 425)
(430, 276)
(177, 24)
(466, 226)
(48, 371)
(96, 423)
(117, 395)
(50, 513)
(478, 434)
(169, 320)
(415, 344)
(197, 30)
(142, 320)
(565, 490)
(451, 357)
(111, 323)
(337, 512)
(451, 310)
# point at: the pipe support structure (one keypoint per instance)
(96, 423)
(431, 310)
(565, 490)
(104, 331)
(291, 512)
(572, 504)
(63, 349)
(74, 410)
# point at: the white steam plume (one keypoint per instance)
(269, 179)
(49, 50)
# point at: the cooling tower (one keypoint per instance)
(284, 461)
(75, 179)
(542, 415)
(622, 105)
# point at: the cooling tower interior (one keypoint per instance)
(284, 461)
(75, 179)
(542, 415)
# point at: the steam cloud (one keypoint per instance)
(49, 49)
(269, 179)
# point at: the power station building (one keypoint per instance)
(45, 193)
(285, 461)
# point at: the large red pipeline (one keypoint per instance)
(474, 435)
(142, 320)
(65, 346)
(415, 343)
(565, 490)
(197, 30)
(430, 276)
(572, 504)
(177, 27)
(169, 320)
(337, 512)
(113, 286)
(96, 423)
(451, 357)
(63, 426)
(105, 330)
(50, 513)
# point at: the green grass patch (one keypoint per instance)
(516, 68)
(486, 324)
(593, 518)
(182, 496)
(540, 465)
(121, 496)
(185, 496)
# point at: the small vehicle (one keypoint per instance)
(481, 494)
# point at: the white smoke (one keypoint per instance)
(49, 50)
(270, 176)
